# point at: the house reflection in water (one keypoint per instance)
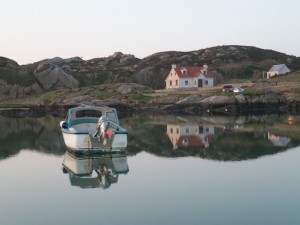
(279, 141)
(190, 135)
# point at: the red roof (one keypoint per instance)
(190, 141)
(192, 72)
(193, 141)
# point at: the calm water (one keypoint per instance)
(178, 170)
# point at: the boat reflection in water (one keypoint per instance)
(91, 171)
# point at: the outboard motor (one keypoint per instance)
(103, 124)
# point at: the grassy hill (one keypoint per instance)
(228, 63)
(12, 73)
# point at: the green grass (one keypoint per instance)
(12, 76)
(291, 77)
(238, 81)
(255, 91)
(100, 92)
(139, 97)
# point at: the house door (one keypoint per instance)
(201, 130)
(200, 83)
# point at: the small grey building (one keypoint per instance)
(277, 70)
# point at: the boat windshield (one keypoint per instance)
(112, 116)
(88, 113)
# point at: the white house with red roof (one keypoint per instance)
(189, 77)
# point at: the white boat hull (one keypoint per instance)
(119, 141)
(81, 141)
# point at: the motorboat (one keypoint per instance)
(92, 128)
(94, 171)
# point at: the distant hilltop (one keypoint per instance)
(227, 62)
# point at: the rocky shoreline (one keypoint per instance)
(193, 104)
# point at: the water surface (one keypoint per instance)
(214, 170)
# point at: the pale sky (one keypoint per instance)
(34, 30)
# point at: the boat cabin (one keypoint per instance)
(82, 115)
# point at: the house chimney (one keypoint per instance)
(205, 69)
(173, 66)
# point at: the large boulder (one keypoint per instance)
(191, 99)
(219, 100)
(292, 97)
(271, 97)
(125, 89)
(241, 99)
(17, 91)
(52, 76)
(14, 91)
(82, 99)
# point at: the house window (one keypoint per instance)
(186, 82)
(195, 82)
(171, 130)
(206, 82)
(185, 141)
(170, 83)
(177, 130)
(187, 130)
(176, 82)
(183, 71)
